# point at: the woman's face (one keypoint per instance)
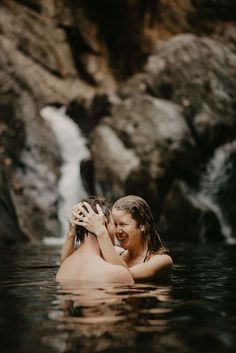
(126, 229)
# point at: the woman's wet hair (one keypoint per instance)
(142, 214)
(93, 201)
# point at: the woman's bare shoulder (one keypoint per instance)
(161, 259)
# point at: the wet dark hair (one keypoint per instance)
(142, 214)
(93, 201)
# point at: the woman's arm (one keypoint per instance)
(109, 253)
(95, 223)
(158, 266)
(69, 244)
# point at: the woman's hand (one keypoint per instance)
(87, 218)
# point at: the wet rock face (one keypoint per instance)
(184, 213)
(205, 91)
(29, 169)
(36, 176)
(140, 148)
(219, 183)
(160, 126)
(170, 141)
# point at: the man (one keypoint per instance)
(86, 263)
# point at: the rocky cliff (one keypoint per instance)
(152, 84)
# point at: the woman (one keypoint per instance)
(143, 252)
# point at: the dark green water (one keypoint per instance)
(194, 312)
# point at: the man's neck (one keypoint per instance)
(89, 245)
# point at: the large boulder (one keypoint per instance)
(114, 162)
(206, 92)
(200, 75)
(143, 144)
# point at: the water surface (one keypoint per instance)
(193, 312)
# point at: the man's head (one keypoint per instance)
(93, 201)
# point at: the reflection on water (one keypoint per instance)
(193, 312)
(109, 316)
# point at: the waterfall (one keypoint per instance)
(214, 186)
(73, 151)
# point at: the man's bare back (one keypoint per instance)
(86, 264)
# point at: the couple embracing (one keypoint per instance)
(141, 255)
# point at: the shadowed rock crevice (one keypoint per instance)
(32, 5)
(80, 47)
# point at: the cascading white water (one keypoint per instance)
(213, 181)
(73, 151)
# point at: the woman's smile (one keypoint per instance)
(122, 238)
(127, 230)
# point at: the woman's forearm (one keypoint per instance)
(68, 247)
(107, 248)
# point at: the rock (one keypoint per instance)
(38, 174)
(113, 162)
(157, 139)
(41, 59)
(176, 141)
(185, 217)
(218, 182)
(10, 232)
(88, 113)
(30, 159)
(88, 175)
(206, 91)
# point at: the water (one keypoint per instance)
(216, 185)
(217, 192)
(194, 312)
(73, 150)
